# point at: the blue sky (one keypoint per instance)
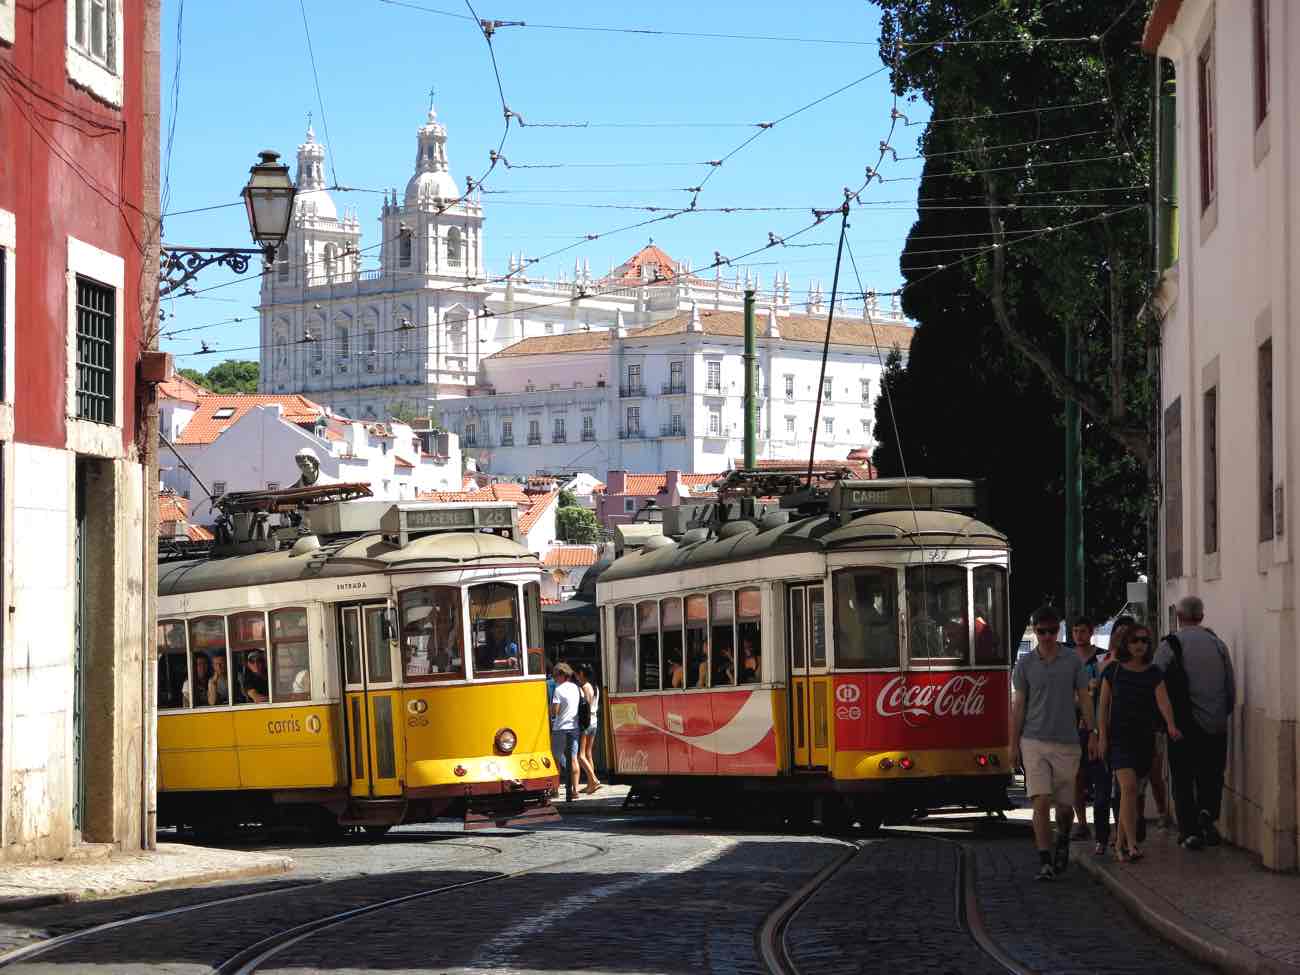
(246, 84)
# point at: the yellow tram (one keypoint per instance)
(375, 671)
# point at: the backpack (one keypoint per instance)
(584, 712)
(1180, 696)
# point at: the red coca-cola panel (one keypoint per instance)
(945, 709)
(675, 733)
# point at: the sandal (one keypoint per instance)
(1134, 855)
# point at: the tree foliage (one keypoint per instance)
(231, 376)
(577, 525)
(402, 412)
(567, 499)
(194, 376)
(1042, 149)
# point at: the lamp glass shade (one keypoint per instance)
(268, 198)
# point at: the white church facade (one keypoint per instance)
(494, 358)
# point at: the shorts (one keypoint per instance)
(589, 732)
(564, 745)
(1050, 768)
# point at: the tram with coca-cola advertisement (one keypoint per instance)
(838, 653)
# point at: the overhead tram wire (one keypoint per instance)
(826, 345)
(320, 99)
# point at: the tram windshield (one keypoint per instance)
(866, 618)
(173, 683)
(992, 635)
(432, 642)
(494, 629)
(938, 625)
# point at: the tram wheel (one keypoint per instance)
(870, 818)
(837, 815)
(377, 831)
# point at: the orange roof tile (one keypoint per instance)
(857, 468)
(552, 344)
(631, 271)
(540, 503)
(172, 507)
(658, 483)
(403, 462)
(178, 387)
(204, 427)
(570, 556)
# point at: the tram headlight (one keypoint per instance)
(505, 741)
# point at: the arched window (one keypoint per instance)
(457, 338)
(455, 247)
(331, 255)
(282, 265)
(342, 341)
(404, 248)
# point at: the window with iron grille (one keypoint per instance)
(1208, 130)
(1210, 458)
(96, 351)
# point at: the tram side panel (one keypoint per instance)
(724, 732)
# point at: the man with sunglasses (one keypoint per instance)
(1051, 688)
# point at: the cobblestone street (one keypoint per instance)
(621, 895)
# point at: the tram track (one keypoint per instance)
(32, 951)
(774, 949)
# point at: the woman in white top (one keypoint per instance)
(590, 694)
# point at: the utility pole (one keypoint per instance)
(751, 377)
(1073, 485)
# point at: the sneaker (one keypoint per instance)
(1046, 872)
(1080, 833)
(1191, 842)
(1209, 831)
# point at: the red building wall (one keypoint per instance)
(70, 164)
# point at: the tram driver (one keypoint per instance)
(500, 650)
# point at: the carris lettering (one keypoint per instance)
(285, 727)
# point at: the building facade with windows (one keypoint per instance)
(78, 288)
(1229, 209)
(670, 395)
(413, 328)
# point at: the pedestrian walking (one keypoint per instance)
(1094, 776)
(588, 721)
(564, 728)
(1203, 690)
(1050, 689)
(1133, 693)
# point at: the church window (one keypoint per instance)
(404, 248)
(454, 247)
(342, 342)
(371, 344)
(282, 267)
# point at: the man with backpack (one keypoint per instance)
(1202, 689)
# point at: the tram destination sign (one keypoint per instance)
(891, 494)
(407, 518)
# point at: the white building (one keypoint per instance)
(1229, 365)
(248, 443)
(417, 329)
(671, 394)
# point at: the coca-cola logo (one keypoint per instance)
(960, 696)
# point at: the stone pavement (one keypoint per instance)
(607, 802)
(1217, 904)
(27, 885)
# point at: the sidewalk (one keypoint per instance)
(607, 802)
(24, 886)
(1216, 904)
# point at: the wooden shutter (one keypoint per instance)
(1174, 490)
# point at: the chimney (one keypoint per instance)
(672, 485)
(615, 483)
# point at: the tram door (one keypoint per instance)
(371, 701)
(809, 683)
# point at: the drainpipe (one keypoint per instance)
(751, 394)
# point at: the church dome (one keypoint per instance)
(428, 184)
(312, 197)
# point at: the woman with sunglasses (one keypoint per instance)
(1133, 692)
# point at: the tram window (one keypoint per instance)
(722, 632)
(208, 639)
(625, 634)
(749, 612)
(817, 621)
(248, 653)
(290, 662)
(670, 622)
(697, 641)
(647, 627)
(494, 629)
(173, 682)
(798, 627)
(866, 618)
(379, 648)
(992, 645)
(938, 625)
(534, 638)
(433, 646)
(350, 635)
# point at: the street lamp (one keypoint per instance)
(268, 198)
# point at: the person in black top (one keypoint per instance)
(1132, 693)
(253, 680)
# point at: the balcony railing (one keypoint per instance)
(674, 389)
(507, 440)
(534, 439)
(630, 433)
(672, 430)
(559, 438)
(713, 389)
(629, 391)
(588, 435)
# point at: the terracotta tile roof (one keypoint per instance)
(178, 387)
(658, 483)
(551, 344)
(570, 556)
(794, 328)
(174, 509)
(540, 503)
(630, 271)
(204, 427)
(403, 462)
(859, 469)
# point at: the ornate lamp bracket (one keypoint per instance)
(179, 265)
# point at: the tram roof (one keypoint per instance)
(817, 534)
(355, 556)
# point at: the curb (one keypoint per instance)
(277, 865)
(609, 807)
(1197, 940)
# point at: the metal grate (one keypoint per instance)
(96, 351)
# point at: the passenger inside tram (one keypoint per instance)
(724, 667)
(202, 673)
(750, 668)
(494, 628)
(252, 682)
(219, 682)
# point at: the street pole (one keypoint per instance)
(1073, 485)
(751, 375)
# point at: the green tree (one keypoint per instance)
(1032, 223)
(577, 525)
(567, 499)
(403, 412)
(194, 376)
(232, 376)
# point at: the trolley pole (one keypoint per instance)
(1073, 485)
(751, 377)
